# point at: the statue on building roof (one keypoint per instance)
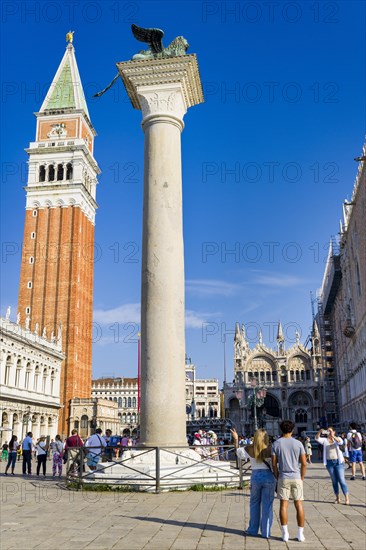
(7, 315)
(27, 322)
(18, 318)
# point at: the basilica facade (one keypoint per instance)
(288, 380)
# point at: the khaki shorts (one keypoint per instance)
(290, 488)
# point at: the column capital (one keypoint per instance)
(166, 102)
(164, 87)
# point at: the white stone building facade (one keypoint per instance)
(202, 395)
(88, 414)
(202, 398)
(124, 393)
(30, 367)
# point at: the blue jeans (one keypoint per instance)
(262, 491)
(336, 472)
(11, 461)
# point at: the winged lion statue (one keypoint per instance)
(153, 37)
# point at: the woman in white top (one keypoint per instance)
(41, 450)
(262, 483)
(334, 461)
(308, 449)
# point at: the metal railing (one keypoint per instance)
(95, 465)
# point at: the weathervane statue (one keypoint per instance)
(163, 83)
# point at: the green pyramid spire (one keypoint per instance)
(66, 91)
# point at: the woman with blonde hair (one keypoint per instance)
(262, 483)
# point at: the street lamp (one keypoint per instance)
(256, 399)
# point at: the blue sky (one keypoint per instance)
(267, 159)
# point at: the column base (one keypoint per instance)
(180, 469)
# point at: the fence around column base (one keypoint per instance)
(156, 468)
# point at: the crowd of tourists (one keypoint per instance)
(279, 466)
(59, 451)
(283, 458)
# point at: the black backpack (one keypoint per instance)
(356, 442)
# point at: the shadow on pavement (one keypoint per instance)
(201, 526)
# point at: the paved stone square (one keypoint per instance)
(40, 513)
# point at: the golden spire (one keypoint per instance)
(70, 36)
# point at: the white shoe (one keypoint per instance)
(301, 539)
(285, 537)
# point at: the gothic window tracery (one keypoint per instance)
(301, 416)
(299, 399)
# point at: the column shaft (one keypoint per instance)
(162, 296)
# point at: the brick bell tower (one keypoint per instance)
(57, 269)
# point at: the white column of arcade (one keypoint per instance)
(163, 90)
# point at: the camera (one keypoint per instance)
(324, 433)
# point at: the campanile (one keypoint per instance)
(56, 279)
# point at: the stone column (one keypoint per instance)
(163, 89)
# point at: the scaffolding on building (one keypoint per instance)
(325, 300)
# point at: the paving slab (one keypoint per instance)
(52, 517)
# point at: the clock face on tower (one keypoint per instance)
(58, 130)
